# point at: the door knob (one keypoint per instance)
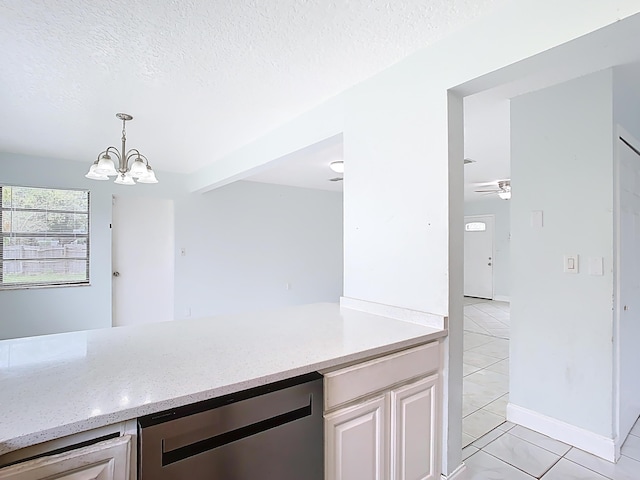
(116, 274)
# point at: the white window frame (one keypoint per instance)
(77, 235)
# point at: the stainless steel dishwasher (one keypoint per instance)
(273, 431)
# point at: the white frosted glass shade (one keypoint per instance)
(150, 177)
(138, 168)
(125, 179)
(106, 166)
(93, 175)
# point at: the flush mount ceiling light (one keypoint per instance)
(104, 167)
(337, 166)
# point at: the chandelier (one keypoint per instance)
(104, 167)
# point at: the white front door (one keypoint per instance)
(142, 259)
(628, 282)
(478, 256)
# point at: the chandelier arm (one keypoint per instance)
(134, 151)
(130, 153)
(113, 150)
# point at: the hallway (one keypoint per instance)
(486, 367)
(495, 449)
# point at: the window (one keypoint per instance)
(475, 227)
(45, 237)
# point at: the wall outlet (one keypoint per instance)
(187, 312)
(183, 252)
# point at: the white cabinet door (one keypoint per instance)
(355, 441)
(108, 460)
(414, 430)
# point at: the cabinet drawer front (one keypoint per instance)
(108, 460)
(347, 384)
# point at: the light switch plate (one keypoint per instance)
(536, 219)
(596, 266)
(571, 263)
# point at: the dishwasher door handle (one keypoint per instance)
(217, 441)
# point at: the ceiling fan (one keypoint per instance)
(501, 187)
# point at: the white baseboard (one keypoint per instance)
(459, 473)
(502, 298)
(593, 443)
(399, 313)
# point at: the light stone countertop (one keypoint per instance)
(56, 385)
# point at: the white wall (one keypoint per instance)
(501, 209)
(401, 182)
(28, 312)
(561, 324)
(399, 186)
(246, 241)
(626, 98)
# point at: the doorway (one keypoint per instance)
(627, 291)
(142, 239)
(478, 256)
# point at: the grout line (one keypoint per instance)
(554, 464)
(585, 467)
(540, 446)
(507, 463)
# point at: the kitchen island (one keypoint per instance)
(58, 385)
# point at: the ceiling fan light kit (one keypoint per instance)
(503, 189)
(104, 167)
(506, 195)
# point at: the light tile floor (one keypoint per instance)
(486, 367)
(498, 450)
(511, 452)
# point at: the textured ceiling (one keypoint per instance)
(306, 168)
(200, 77)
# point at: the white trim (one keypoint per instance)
(459, 473)
(502, 298)
(593, 443)
(399, 313)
